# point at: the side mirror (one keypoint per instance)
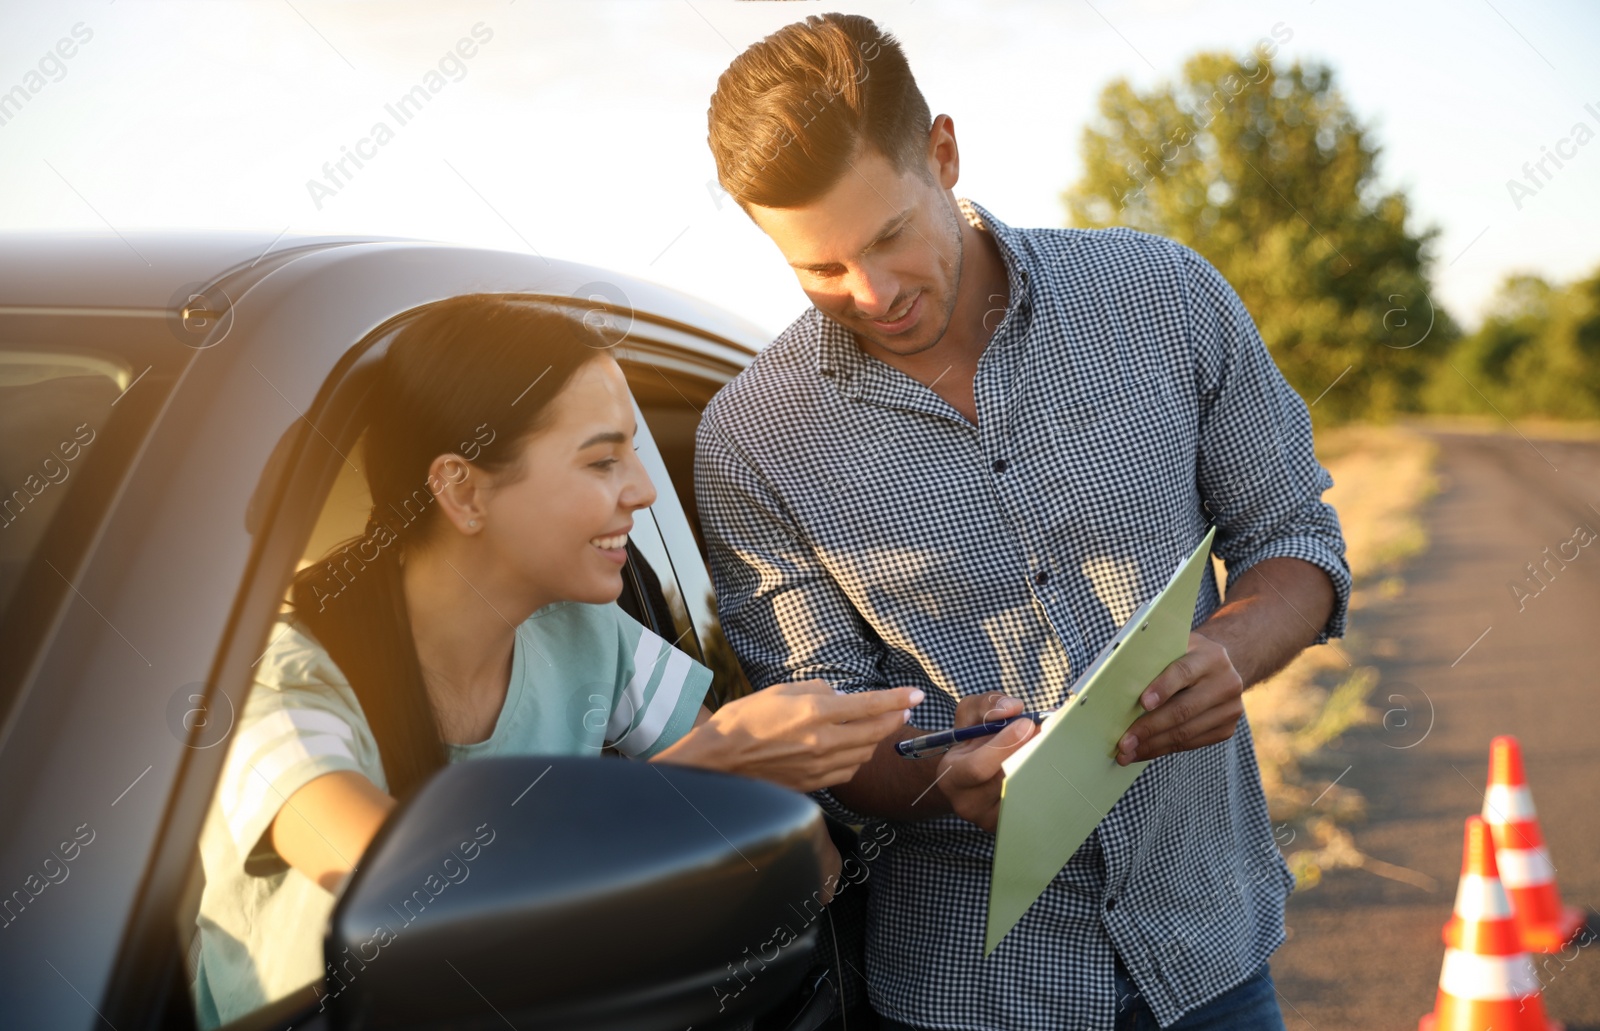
(570, 893)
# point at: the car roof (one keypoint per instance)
(131, 269)
(160, 269)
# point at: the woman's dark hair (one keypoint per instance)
(472, 376)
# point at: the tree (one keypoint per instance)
(1537, 353)
(1269, 176)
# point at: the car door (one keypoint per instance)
(179, 577)
(316, 491)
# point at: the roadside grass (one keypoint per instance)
(1382, 475)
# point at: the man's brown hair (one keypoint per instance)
(789, 112)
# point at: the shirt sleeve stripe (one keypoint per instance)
(631, 701)
(284, 722)
(261, 779)
(662, 704)
(270, 732)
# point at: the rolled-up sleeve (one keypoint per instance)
(782, 613)
(1259, 477)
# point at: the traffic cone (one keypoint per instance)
(1488, 980)
(1525, 868)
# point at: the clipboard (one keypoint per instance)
(1065, 779)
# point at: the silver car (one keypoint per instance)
(175, 416)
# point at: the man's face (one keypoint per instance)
(880, 253)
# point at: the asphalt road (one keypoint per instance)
(1364, 951)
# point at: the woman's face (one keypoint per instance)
(562, 526)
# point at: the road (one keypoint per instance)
(1471, 660)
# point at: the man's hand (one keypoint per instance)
(1196, 701)
(970, 773)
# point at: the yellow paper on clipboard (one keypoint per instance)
(1063, 782)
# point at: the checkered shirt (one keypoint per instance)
(861, 531)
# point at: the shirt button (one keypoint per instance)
(1042, 577)
(1111, 903)
(1000, 465)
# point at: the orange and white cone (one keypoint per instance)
(1488, 980)
(1524, 863)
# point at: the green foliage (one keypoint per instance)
(1537, 353)
(1269, 176)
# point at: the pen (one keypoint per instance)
(944, 740)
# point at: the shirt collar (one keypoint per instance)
(1017, 275)
(841, 361)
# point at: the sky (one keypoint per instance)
(577, 128)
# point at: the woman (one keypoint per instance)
(475, 617)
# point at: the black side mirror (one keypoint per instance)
(574, 893)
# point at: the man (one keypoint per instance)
(962, 469)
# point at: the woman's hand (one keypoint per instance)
(802, 736)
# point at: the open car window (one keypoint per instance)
(671, 393)
(316, 495)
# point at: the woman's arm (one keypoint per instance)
(325, 826)
(802, 736)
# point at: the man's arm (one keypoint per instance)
(893, 787)
(785, 618)
(1257, 469)
(1258, 476)
(1274, 611)
(1272, 614)
(780, 610)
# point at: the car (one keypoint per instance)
(178, 417)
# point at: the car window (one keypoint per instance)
(52, 407)
(334, 514)
(670, 399)
(77, 396)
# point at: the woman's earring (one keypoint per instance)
(472, 523)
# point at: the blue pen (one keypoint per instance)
(944, 740)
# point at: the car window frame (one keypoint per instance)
(283, 515)
(675, 348)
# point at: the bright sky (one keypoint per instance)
(578, 127)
